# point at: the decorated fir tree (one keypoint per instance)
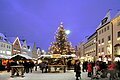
(61, 44)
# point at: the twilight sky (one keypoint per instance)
(38, 20)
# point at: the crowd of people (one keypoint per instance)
(92, 68)
(29, 66)
(98, 69)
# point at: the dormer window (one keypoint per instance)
(104, 20)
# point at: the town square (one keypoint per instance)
(59, 40)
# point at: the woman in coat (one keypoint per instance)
(89, 69)
(77, 69)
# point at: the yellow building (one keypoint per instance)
(104, 44)
(116, 36)
(90, 48)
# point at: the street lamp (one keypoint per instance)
(67, 32)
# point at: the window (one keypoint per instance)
(99, 51)
(107, 27)
(109, 38)
(102, 40)
(7, 46)
(99, 41)
(99, 32)
(118, 34)
(1, 38)
(102, 49)
(2, 45)
(102, 30)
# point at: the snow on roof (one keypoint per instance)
(2, 35)
(22, 55)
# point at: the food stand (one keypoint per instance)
(56, 61)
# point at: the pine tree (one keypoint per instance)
(61, 45)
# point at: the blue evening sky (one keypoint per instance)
(38, 20)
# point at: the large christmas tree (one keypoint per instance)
(61, 44)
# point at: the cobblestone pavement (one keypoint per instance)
(37, 75)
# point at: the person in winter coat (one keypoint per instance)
(111, 70)
(77, 69)
(89, 69)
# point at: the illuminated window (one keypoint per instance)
(118, 35)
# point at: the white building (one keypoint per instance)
(5, 47)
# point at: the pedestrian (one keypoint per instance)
(111, 70)
(77, 69)
(89, 66)
(8, 66)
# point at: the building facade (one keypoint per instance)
(105, 42)
(116, 37)
(5, 47)
(24, 47)
(16, 45)
(90, 48)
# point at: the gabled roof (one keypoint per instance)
(5, 39)
(13, 40)
(105, 20)
(2, 35)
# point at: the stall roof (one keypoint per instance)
(22, 55)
